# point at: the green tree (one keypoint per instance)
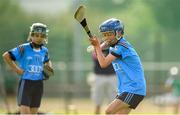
(166, 13)
(12, 32)
(12, 21)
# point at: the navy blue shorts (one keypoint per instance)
(30, 93)
(131, 99)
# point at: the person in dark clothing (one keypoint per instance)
(104, 85)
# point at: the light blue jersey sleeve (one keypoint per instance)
(46, 58)
(122, 50)
(16, 52)
(116, 51)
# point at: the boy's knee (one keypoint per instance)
(24, 109)
(109, 111)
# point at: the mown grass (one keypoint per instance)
(83, 107)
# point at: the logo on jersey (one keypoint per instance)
(34, 64)
(115, 48)
(34, 69)
(116, 66)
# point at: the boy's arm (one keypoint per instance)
(103, 61)
(49, 63)
(48, 70)
(12, 63)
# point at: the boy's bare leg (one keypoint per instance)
(124, 111)
(34, 110)
(24, 109)
(117, 107)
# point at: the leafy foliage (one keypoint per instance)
(166, 12)
(12, 21)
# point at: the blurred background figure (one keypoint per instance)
(173, 85)
(103, 83)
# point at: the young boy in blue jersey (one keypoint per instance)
(127, 65)
(31, 58)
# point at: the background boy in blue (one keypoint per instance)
(31, 58)
(127, 65)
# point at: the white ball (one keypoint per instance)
(174, 70)
(90, 49)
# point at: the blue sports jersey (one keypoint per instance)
(30, 60)
(128, 68)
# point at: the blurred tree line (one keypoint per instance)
(13, 28)
(166, 14)
(150, 25)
